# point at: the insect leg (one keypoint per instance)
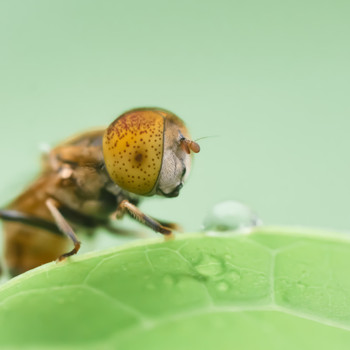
(170, 225)
(64, 227)
(23, 218)
(143, 218)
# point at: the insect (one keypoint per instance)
(94, 177)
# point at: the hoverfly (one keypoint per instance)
(93, 177)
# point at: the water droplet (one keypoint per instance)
(230, 216)
(210, 266)
(222, 286)
(233, 276)
(259, 281)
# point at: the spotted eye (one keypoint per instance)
(133, 150)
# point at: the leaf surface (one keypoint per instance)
(271, 289)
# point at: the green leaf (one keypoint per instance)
(271, 289)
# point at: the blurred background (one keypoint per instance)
(269, 79)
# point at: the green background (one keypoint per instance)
(269, 79)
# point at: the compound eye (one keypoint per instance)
(133, 150)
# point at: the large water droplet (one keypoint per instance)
(230, 215)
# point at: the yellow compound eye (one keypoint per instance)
(133, 150)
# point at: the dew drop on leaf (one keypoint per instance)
(209, 266)
(222, 286)
(230, 215)
(234, 276)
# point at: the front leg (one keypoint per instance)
(64, 227)
(144, 219)
(171, 225)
